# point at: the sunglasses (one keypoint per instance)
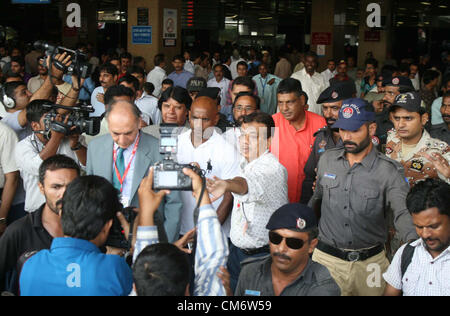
(293, 243)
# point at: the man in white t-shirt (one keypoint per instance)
(219, 81)
(9, 173)
(108, 78)
(34, 149)
(203, 145)
(158, 74)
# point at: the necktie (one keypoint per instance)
(120, 164)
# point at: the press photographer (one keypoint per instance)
(47, 140)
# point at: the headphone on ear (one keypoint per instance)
(8, 102)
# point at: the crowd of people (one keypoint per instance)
(313, 183)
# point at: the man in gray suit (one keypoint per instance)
(124, 157)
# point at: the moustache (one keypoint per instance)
(350, 143)
(445, 116)
(282, 256)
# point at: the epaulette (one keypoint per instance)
(321, 130)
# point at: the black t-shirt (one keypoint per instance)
(24, 235)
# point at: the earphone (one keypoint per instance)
(8, 102)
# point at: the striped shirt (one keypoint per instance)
(425, 276)
(211, 252)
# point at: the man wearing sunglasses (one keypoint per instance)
(288, 271)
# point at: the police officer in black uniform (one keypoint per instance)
(393, 87)
(326, 138)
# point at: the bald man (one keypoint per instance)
(124, 157)
(204, 144)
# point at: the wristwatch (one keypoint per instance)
(2, 221)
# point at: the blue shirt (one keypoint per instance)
(75, 267)
(86, 90)
(180, 79)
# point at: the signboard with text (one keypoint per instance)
(321, 38)
(170, 24)
(141, 34)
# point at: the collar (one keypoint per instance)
(367, 162)
(246, 164)
(36, 217)
(421, 243)
(304, 276)
(68, 242)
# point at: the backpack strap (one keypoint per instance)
(407, 256)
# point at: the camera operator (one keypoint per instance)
(39, 146)
(74, 265)
(15, 96)
(163, 269)
(37, 230)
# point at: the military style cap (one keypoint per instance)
(399, 81)
(409, 101)
(337, 92)
(196, 84)
(353, 114)
(295, 216)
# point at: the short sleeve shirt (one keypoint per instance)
(8, 142)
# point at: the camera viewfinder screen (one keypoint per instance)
(168, 179)
(168, 142)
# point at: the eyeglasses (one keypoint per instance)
(293, 243)
(241, 108)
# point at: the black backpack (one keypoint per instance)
(407, 256)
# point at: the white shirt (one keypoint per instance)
(8, 142)
(28, 161)
(232, 137)
(313, 86)
(35, 83)
(425, 276)
(416, 82)
(189, 66)
(12, 120)
(148, 105)
(267, 191)
(224, 160)
(223, 86)
(157, 76)
(98, 106)
(327, 75)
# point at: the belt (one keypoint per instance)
(252, 252)
(352, 256)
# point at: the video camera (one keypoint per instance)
(168, 175)
(80, 67)
(79, 117)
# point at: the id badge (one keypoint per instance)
(125, 201)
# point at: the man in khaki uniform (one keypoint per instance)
(410, 144)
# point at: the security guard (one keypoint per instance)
(411, 145)
(288, 271)
(355, 186)
(393, 86)
(326, 138)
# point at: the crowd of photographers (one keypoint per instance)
(222, 178)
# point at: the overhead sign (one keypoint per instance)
(321, 38)
(170, 24)
(141, 34)
(32, 1)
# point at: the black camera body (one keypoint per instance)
(79, 67)
(168, 174)
(116, 237)
(78, 118)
